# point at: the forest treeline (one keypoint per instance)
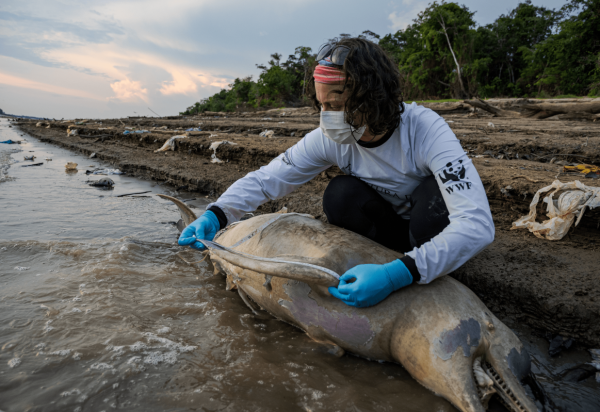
(532, 51)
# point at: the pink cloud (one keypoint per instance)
(50, 88)
(128, 90)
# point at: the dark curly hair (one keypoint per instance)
(373, 86)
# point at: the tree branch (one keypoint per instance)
(458, 74)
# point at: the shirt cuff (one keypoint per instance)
(220, 215)
(411, 265)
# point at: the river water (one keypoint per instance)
(99, 313)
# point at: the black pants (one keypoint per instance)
(350, 203)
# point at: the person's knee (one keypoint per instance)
(429, 215)
(426, 190)
(340, 196)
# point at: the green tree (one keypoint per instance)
(567, 62)
(504, 41)
(279, 83)
(435, 53)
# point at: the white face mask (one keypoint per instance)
(334, 126)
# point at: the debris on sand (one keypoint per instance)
(214, 147)
(71, 166)
(73, 132)
(268, 133)
(93, 155)
(34, 164)
(29, 157)
(126, 132)
(170, 144)
(589, 171)
(573, 199)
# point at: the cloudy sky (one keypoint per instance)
(98, 59)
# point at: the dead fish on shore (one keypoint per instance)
(29, 157)
(104, 183)
(104, 172)
(441, 333)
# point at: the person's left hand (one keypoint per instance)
(372, 283)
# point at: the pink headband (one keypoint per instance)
(329, 75)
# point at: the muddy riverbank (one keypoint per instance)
(99, 313)
(551, 286)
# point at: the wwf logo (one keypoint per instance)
(453, 172)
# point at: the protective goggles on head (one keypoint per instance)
(337, 54)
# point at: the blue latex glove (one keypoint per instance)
(373, 283)
(205, 228)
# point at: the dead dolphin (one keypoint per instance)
(442, 334)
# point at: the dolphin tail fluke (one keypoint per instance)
(186, 213)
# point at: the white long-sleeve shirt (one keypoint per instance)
(422, 145)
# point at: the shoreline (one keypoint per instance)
(550, 286)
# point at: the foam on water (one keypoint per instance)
(14, 362)
(63, 352)
(154, 358)
(101, 366)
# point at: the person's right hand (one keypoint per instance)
(205, 228)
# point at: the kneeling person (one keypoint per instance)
(408, 184)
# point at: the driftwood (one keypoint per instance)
(568, 111)
(558, 108)
(136, 193)
(480, 104)
(579, 116)
(447, 107)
